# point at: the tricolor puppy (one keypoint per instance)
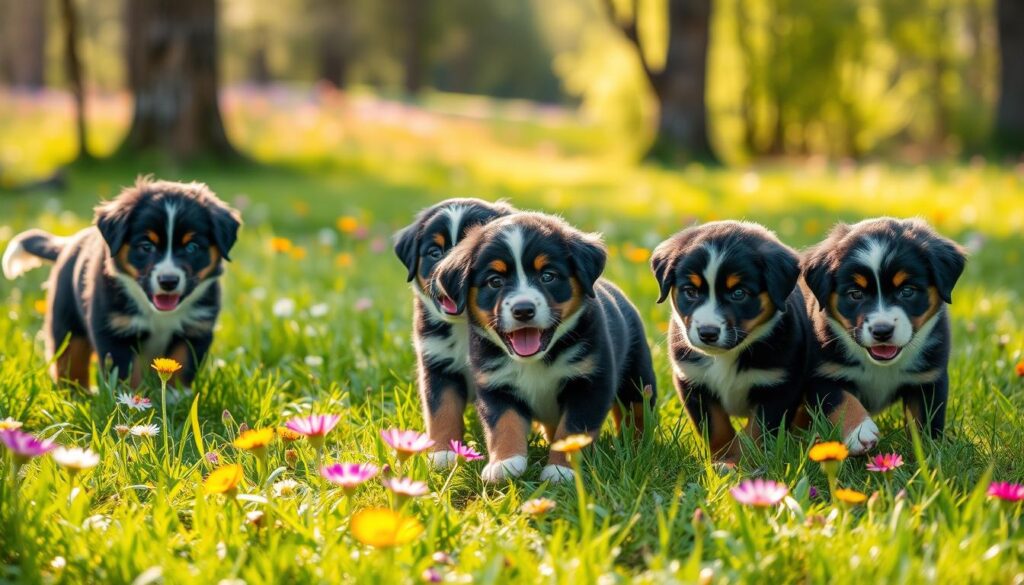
(440, 332)
(739, 336)
(877, 293)
(549, 340)
(141, 283)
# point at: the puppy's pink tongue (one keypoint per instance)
(449, 305)
(884, 352)
(525, 342)
(166, 302)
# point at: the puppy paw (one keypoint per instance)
(443, 459)
(556, 473)
(503, 469)
(862, 438)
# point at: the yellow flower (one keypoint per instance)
(381, 527)
(298, 253)
(287, 434)
(280, 245)
(224, 479)
(347, 224)
(40, 306)
(343, 260)
(165, 367)
(849, 496)
(635, 254)
(572, 443)
(831, 451)
(255, 439)
(538, 506)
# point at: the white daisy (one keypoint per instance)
(319, 310)
(314, 361)
(75, 458)
(284, 307)
(134, 401)
(145, 430)
(285, 488)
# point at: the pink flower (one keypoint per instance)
(885, 463)
(363, 304)
(24, 446)
(314, 427)
(465, 451)
(406, 443)
(1006, 491)
(403, 486)
(348, 475)
(759, 492)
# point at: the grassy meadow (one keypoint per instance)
(317, 320)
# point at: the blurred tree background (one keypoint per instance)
(728, 80)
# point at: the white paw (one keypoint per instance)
(502, 469)
(556, 473)
(863, 438)
(441, 459)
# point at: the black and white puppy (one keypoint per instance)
(549, 340)
(877, 293)
(140, 284)
(440, 332)
(739, 336)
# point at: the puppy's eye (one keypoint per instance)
(855, 294)
(690, 293)
(738, 294)
(547, 276)
(495, 282)
(191, 248)
(907, 292)
(435, 253)
(146, 247)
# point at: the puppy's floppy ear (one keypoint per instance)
(405, 248)
(663, 264)
(946, 260)
(781, 272)
(112, 221)
(588, 256)
(818, 268)
(451, 276)
(226, 222)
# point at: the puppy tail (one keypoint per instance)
(29, 250)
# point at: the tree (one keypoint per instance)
(1009, 130)
(173, 75)
(74, 70)
(23, 42)
(679, 85)
(333, 31)
(416, 22)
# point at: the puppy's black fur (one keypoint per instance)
(440, 332)
(876, 292)
(141, 283)
(549, 340)
(739, 337)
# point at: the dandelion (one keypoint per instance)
(288, 435)
(349, 475)
(538, 507)
(224, 480)
(9, 424)
(24, 446)
(298, 253)
(255, 440)
(636, 254)
(347, 224)
(572, 443)
(134, 401)
(851, 497)
(285, 488)
(760, 493)
(314, 427)
(406, 443)
(148, 431)
(885, 463)
(403, 487)
(40, 306)
(343, 260)
(465, 451)
(284, 307)
(830, 456)
(381, 528)
(75, 459)
(1006, 491)
(280, 245)
(165, 368)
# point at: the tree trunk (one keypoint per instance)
(415, 17)
(1009, 130)
(172, 72)
(334, 34)
(259, 65)
(23, 43)
(69, 15)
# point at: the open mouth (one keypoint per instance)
(884, 353)
(166, 302)
(448, 305)
(528, 341)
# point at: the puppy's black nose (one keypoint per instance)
(882, 331)
(708, 333)
(523, 311)
(168, 281)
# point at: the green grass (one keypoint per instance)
(639, 523)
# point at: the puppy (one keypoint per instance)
(549, 341)
(877, 293)
(440, 332)
(140, 284)
(739, 336)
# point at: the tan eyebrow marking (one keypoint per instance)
(860, 280)
(439, 239)
(732, 280)
(695, 279)
(540, 261)
(499, 266)
(900, 277)
(152, 236)
(187, 237)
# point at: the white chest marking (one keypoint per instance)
(162, 325)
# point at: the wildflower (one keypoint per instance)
(291, 457)
(213, 458)
(538, 507)
(378, 245)
(348, 475)
(885, 463)
(380, 527)
(24, 446)
(288, 435)
(122, 430)
(343, 260)
(280, 245)
(406, 443)
(165, 368)
(254, 518)
(75, 459)
(58, 563)
(572, 443)
(761, 493)
(285, 488)
(314, 427)
(465, 451)
(149, 431)
(442, 558)
(255, 440)
(298, 253)
(327, 238)
(431, 575)
(636, 254)
(134, 401)
(1006, 491)
(347, 224)
(831, 451)
(363, 304)
(284, 307)
(224, 480)
(40, 306)
(404, 487)
(1020, 369)
(319, 310)
(8, 424)
(314, 361)
(847, 496)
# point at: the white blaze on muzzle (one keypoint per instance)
(166, 272)
(708, 315)
(524, 333)
(886, 328)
